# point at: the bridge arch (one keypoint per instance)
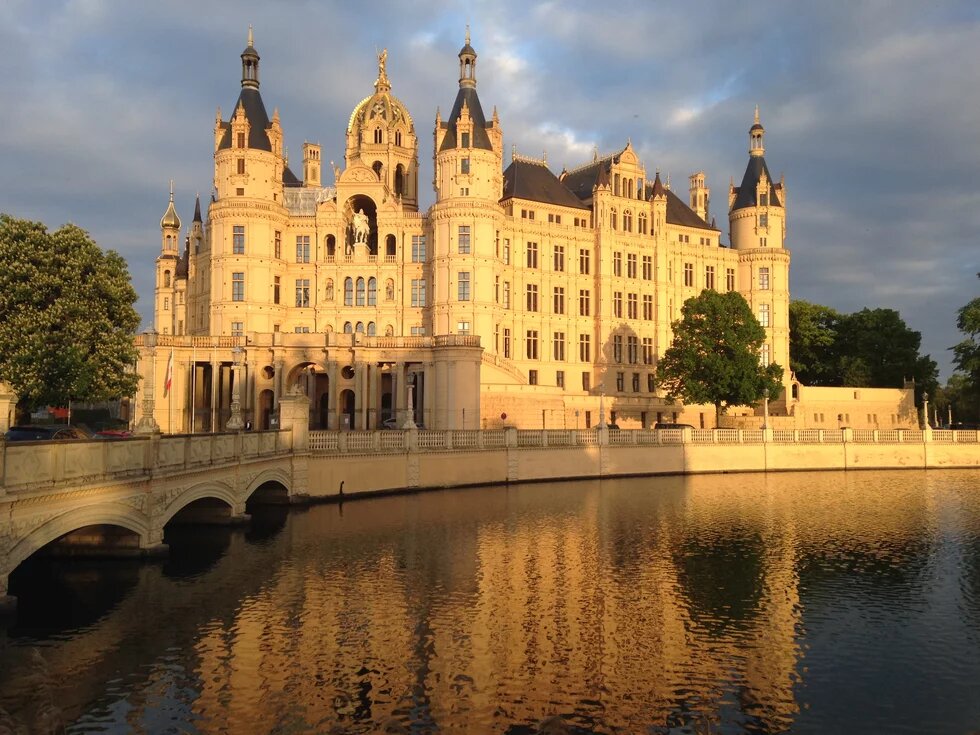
(276, 475)
(104, 514)
(205, 490)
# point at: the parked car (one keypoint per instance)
(390, 423)
(113, 434)
(666, 425)
(52, 432)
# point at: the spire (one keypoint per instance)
(756, 134)
(170, 219)
(659, 191)
(197, 208)
(467, 63)
(250, 64)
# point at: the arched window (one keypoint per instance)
(372, 329)
(348, 328)
(360, 292)
(627, 221)
(616, 184)
(399, 177)
(359, 328)
(331, 246)
(377, 168)
(643, 223)
(378, 135)
(348, 291)
(629, 188)
(390, 245)
(166, 279)
(390, 331)
(639, 188)
(613, 216)
(398, 137)
(372, 291)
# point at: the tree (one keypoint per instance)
(67, 319)
(714, 357)
(966, 354)
(813, 342)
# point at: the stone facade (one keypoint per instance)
(520, 297)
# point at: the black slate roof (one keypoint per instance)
(745, 194)
(581, 181)
(678, 213)
(480, 137)
(289, 178)
(535, 182)
(180, 271)
(257, 117)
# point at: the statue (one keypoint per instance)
(390, 290)
(382, 60)
(362, 227)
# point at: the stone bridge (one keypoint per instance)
(115, 497)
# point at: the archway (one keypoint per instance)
(361, 203)
(347, 414)
(266, 400)
(390, 246)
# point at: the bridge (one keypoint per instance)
(115, 498)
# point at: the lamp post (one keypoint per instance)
(925, 410)
(410, 402)
(235, 423)
(765, 408)
(602, 405)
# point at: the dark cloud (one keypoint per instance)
(868, 106)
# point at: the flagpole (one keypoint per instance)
(193, 380)
(170, 392)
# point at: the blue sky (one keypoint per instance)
(870, 107)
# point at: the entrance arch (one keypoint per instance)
(357, 203)
(266, 400)
(347, 413)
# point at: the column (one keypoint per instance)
(427, 396)
(147, 423)
(397, 388)
(374, 394)
(334, 407)
(235, 422)
(453, 415)
(215, 401)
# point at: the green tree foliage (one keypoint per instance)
(714, 357)
(966, 358)
(66, 316)
(872, 348)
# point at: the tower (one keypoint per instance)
(166, 271)
(699, 195)
(757, 221)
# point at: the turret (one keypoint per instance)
(166, 268)
(699, 195)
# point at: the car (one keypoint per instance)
(51, 432)
(666, 425)
(390, 423)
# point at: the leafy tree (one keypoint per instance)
(714, 357)
(966, 354)
(813, 342)
(66, 316)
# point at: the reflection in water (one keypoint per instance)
(806, 603)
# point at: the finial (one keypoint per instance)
(756, 121)
(171, 189)
(250, 41)
(382, 62)
(513, 151)
(544, 156)
(467, 34)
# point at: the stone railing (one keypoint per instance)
(387, 441)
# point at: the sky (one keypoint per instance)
(871, 110)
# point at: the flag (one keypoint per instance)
(170, 374)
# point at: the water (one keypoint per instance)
(803, 603)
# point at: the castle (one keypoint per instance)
(521, 297)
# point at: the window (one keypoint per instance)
(763, 220)
(689, 274)
(647, 267)
(240, 140)
(583, 262)
(632, 350)
(241, 166)
(348, 328)
(627, 221)
(166, 303)
(418, 248)
(278, 244)
(377, 135)
(418, 292)
(585, 348)
(648, 350)
(506, 303)
(651, 382)
(764, 315)
(764, 357)
(683, 238)
(372, 292)
(359, 297)
(648, 307)
(631, 265)
(587, 385)
(464, 140)
(506, 342)
(584, 302)
(617, 348)
(636, 382)
(620, 383)
(532, 344)
(237, 329)
(560, 378)
(237, 286)
(642, 228)
(276, 283)
(532, 377)
(618, 304)
(613, 216)
(302, 292)
(506, 251)
(348, 291)
(527, 214)
(463, 240)
(418, 331)
(238, 240)
(559, 258)
(631, 307)
(302, 248)
(463, 285)
(709, 276)
(730, 279)
(764, 279)
(496, 289)
(764, 199)
(532, 255)
(464, 165)
(372, 329)
(559, 300)
(532, 297)
(558, 346)
(302, 330)
(462, 327)
(617, 264)
(398, 137)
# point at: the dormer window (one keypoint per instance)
(398, 137)
(377, 135)
(464, 140)
(764, 199)
(241, 140)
